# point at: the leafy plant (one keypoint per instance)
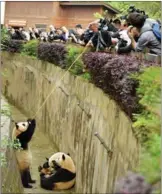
(7, 143)
(5, 38)
(31, 48)
(53, 53)
(5, 110)
(86, 76)
(73, 53)
(147, 124)
(98, 15)
(149, 92)
(150, 158)
(14, 46)
(112, 73)
(151, 8)
(3, 159)
(9, 44)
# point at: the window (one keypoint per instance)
(41, 27)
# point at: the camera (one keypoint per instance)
(106, 25)
(132, 9)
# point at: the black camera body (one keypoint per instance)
(103, 23)
(133, 9)
(108, 24)
(86, 36)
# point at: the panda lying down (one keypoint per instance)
(58, 172)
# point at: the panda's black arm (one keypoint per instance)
(61, 175)
(26, 136)
(46, 183)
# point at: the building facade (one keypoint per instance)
(42, 14)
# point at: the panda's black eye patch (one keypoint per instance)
(23, 124)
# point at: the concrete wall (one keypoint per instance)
(71, 116)
(10, 175)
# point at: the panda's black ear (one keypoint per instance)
(47, 159)
(63, 157)
(68, 154)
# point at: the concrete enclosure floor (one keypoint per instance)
(40, 148)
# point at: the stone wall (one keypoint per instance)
(72, 114)
(10, 175)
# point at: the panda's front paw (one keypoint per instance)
(39, 168)
(56, 166)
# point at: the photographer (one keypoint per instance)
(52, 33)
(117, 24)
(86, 36)
(101, 39)
(124, 43)
(31, 33)
(104, 27)
(144, 30)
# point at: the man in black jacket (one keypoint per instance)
(101, 39)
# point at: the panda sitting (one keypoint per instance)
(58, 172)
(23, 131)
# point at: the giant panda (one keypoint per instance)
(23, 131)
(58, 173)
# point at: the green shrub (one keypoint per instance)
(149, 92)
(31, 48)
(150, 158)
(8, 44)
(14, 46)
(86, 76)
(73, 53)
(4, 38)
(5, 110)
(6, 142)
(53, 52)
(147, 124)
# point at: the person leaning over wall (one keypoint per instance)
(144, 30)
(101, 39)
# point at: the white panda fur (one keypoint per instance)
(24, 131)
(24, 157)
(67, 164)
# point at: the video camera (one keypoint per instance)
(107, 25)
(132, 9)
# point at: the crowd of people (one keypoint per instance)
(135, 33)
